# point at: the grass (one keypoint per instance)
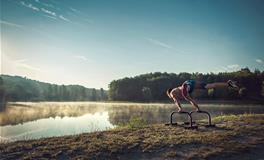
(134, 122)
(233, 136)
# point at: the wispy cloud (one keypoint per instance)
(48, 12)
(50, 17)
(83, 58)
(25, 28)
(75, 10)
(52, 14)
(260, 61)
(79, 14)
(18, 63)
(22, 64)
(65, 19)
(88, 20)
(45, 4)
(224, 68)
(11, 24)
(158, 43)
(228, 68)
(233, 66)
(29, 5)
(20, 60)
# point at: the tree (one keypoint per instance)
(93, 96)
(137, 88)
(103, 95)
(146, 92)
(2, 95)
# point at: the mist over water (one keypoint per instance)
(23, 121)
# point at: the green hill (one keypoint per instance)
(18, 88)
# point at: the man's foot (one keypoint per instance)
(232, 84)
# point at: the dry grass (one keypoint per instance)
(232, 136)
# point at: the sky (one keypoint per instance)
(92, 42)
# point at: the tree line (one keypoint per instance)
(145, 88)
(153, 86)
(16, 88)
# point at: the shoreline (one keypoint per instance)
(234, 137)
(154, 102)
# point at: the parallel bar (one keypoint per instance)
(183, 112)
(207, 113)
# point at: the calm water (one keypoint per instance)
(23, 121)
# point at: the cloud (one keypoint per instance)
(159, 43)
(75, 10)
(83, 58)
(79, 14)
(11, 24)
(260, 61)
(22, 64)
(88, 20)
(224, 68)
(233, 66)
(45, 34)
(228, 68)
(63, 18)
(221, 69)
(50, 17)
(45, 4)
(20, 60)
(44, 10)
(15, 65)
(29, 5)
(48, 12)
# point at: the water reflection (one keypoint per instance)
(35, 120)
(56, 127)
(160, 113)
(18, 113)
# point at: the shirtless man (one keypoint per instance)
(184, 91)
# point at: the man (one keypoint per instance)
(184, 91)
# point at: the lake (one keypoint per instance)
(24, 121)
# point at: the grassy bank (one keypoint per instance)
(235, 137)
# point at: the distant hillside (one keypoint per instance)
(18, 88)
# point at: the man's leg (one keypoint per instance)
(216, 85)
(177, 103)
(227, 84)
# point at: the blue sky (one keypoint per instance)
(94, 42)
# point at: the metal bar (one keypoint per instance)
(171, 116)
(189, 115)
(207, 113)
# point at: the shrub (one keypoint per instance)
(136, 122)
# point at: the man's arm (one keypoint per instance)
(193, 103)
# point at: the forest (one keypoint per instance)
(16, 88)
(152, 86)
